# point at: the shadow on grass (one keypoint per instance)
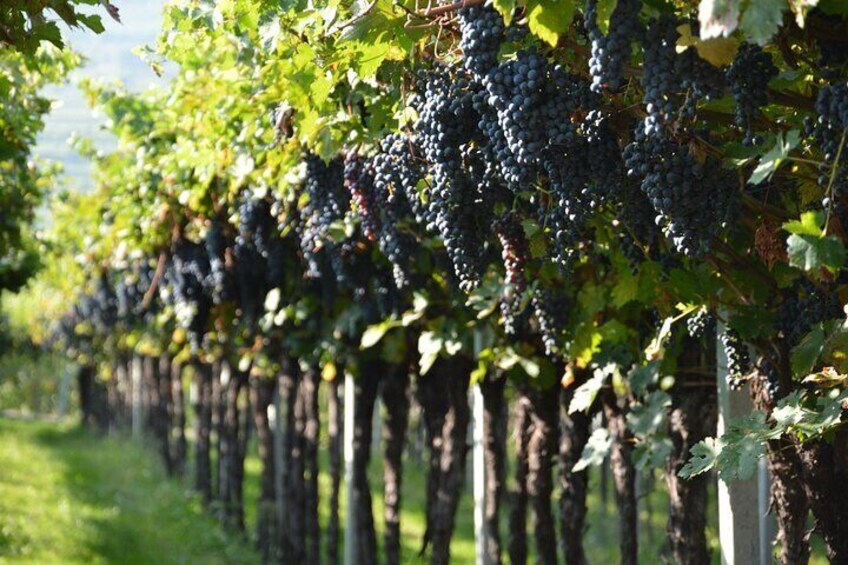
(127, 509)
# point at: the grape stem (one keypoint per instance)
(439, 10)
(154, 284)
(829, 191)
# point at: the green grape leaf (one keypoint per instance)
(704, 456)
(643, 376)
(811, 253)
(595, 451)
(761, 20)
(505, 8)
(604, 10)
(647, 418)
(808, 351)
(586, 393)
(429, 346)
(548, 19)
(774, 157)
(809, 224)
(652, 452)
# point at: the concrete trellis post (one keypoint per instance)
(744, 531)
(478, 459)
(350, 514)
(136, 377)
(479, 481)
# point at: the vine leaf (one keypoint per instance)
(774, 157)
(717, 51)
(811, 253)
(762, 19)
(548, 19)
(505, 8)
(586, 393)
(595, 451)
(704, 456)
(605, 9)
(718, 18)
(807, 352)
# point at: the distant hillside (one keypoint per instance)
(109, 56)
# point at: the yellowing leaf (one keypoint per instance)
(329, 372)
(717, 51)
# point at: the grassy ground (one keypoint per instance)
(69, 497)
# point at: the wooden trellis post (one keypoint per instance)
(742, 522)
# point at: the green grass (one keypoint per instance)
(70, 497)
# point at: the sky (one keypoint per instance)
(109, 57)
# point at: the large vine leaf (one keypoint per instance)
(548, 19)
(762, 19)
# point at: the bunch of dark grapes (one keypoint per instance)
(328, 201)
(516, 90)
(829, 127)
(829, 131)
(217, 283)
(581, 176)
(804, 306)
(738, 360)
(566, 95)
(515, 255)
(482, 29)
(359, 181)
(256, 225)
(748, 76)
(610, 52)
(447, 122)
(104, 304)
(700, 323)
(638, 235)
(770, 378)
(397, 172)
(692, 201)
(660, 80)
(188, 269)
(550, 309)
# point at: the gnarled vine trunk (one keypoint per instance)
(494, 432)
(261, 395)
(335, 426)
(574, 434)
(523, 419)
(365, 395)
(291, 525)
(541, 447)
(203, 425)
(311, 427)
(179, 419)
(788, 499)
(164, 410)
(238, 427)
(825, 472)
(444, 397)
(692, 418)
(624, 479)
(396, 403)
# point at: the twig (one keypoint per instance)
(439, 10)
(154, 284)
(358, 16)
